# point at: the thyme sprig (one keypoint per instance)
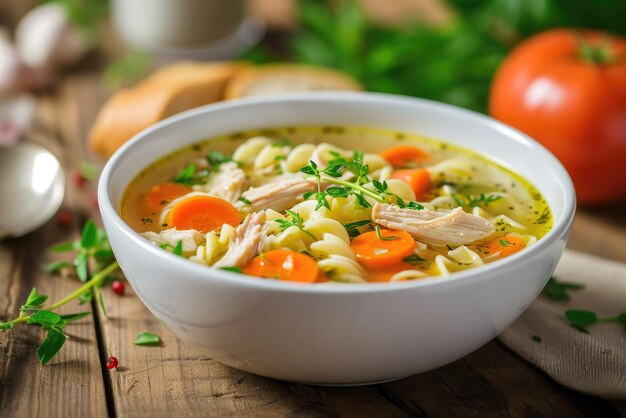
(296, 220)
(35, 312)
(93, 253)
(336, 169)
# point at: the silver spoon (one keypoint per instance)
(32, 185)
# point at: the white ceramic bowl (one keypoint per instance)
(336, 334)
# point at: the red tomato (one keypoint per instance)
(568, 90)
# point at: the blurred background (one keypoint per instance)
(446, 50)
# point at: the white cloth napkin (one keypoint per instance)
(593, 363)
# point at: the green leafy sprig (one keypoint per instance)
(557, 290)
(353, 227)
(336, 169)
(295, 220)
(92, 251)
(580, 319)
(191, 175)
(35, 312)
(470, 201)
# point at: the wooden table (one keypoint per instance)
(175, 380)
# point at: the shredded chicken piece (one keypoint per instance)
(438, 228)
(190, 238)
(246, 241)
(227, 183)
(279, 195)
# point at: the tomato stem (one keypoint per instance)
(597, 54)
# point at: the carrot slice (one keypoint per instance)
(203, 213)
(376, 253)
(417, 178)
(506, 245)
(403, 155)
(385, 274)
(284, 265)
(162, 194)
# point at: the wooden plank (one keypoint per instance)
(71, 384)
(601, 231)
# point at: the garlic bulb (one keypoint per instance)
(9, 63)
(45, 38)
(16, 117)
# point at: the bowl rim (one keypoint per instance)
(202, 273)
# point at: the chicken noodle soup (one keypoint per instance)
(344, 204)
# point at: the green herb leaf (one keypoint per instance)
(67, 246)
(470, 201)
(55, 266)
(44, 318)
(80, 263)
(191, 176)
(88, 170)
(51, 345)
(380, 237)
(581, 319)
(34, 300)
(415, 206)
(557, 290)
(6, 325)
(75, 316)
(414, 259)
(232, 269)
(353, 227)
(296, 221)
(245, 201)
(89, 235)
(215, 158)
(178, 249)
(147, 338)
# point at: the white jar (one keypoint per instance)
(155, 25)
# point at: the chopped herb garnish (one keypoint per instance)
(470, 201)
(246, 201)
(191, 176)
(353, 227)
(178, 249)
(414, 206)
(215, 158)
(146, 221)
(387, 238)
(232, 269)
(505, 243)
(414, 259)
(544, 218)
(296, 220)
(147, 338)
